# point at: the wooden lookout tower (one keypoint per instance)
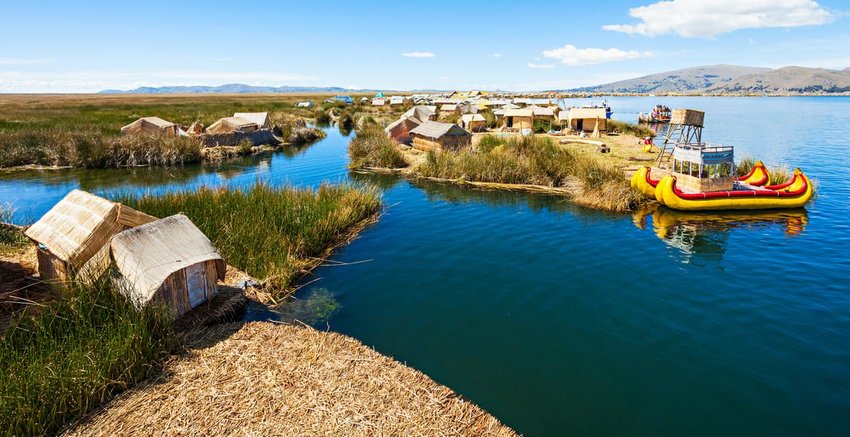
(685, 128)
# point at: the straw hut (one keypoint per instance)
(518, 119)
(449, 109)
(422, 113)
(77, 228)
(232, 124)
(587, 119)
(399, 130)
(168, 261)
(261, 119)
(473, 122)
(432, 135)
(151, 125)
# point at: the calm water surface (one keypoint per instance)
(560, 320)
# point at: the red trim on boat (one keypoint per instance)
(649, 181)
(741, 193)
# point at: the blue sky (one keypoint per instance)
(532, 45)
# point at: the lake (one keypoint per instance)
(560, 320)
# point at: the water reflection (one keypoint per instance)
(704, 234)
(460, 195)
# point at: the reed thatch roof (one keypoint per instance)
(435, 130)
(81, 224)
(261, 119)
(585, 113)
(267, 379)
(467, 118)
(147, 255)
(150, 125)
(519, 113)
(232, 124)
(421, 112)
(409, 123)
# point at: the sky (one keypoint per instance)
(68, 46)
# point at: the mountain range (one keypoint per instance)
(709, 79)
(733, 79)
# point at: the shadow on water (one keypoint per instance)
(705, 234)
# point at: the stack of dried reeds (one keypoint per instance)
(265, 379)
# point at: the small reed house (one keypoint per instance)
(399, 130)
(587, 119)
(432, 135)
(473, 122)
(151, 125)
(168, 261)
(518, 119)
(75, 230)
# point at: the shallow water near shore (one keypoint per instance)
(561, 320)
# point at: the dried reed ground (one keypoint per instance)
(266, 379)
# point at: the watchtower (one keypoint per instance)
(685, 128)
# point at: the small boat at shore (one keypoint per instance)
(659, 114)
(701, 180)
(642, 179)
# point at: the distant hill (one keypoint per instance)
(687, 80)
(232, 88)
(789, 80)
(732, 79)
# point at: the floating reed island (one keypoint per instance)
(267, 379)
(131, 131)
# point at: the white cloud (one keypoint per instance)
(574, 56)
(418, 54)
(706, 19)
(540, 66)
(496, 55)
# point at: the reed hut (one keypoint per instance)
(261, 119)
(399, 130)
(473, 122)
(518, 119)
(75, 230)
(449, 109)
(232, 124)
(432, 135)
(587, 119)
(151, 125)
(168, 261)
(422, 113)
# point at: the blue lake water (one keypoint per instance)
(560, 320)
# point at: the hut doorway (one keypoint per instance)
(579, 125)
(510, 122)
(196, 284)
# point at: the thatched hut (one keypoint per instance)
(261, 119)
(151, 125)
(449, 109)
(518, 119)
(77, 228)
(232, 124)
(473, 122)
(399, 130)
(168, 261)
(432, 135)
(587, 119)
(422, 113)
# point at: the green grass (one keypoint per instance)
(84, 131)
(637, 130)
(75, 354)
(745, 165)
(373, 148)
(271, 233)
(535, 160)
(9, 237)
